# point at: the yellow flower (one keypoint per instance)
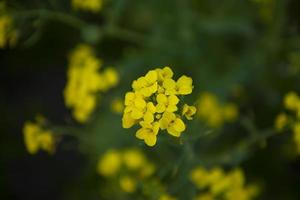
(222, 185)
(205, 196)
(174, 125)
(128, 184)
(117, 106)
(213, 113)
(199, 177)
(153, 103)
(281, 121)
(165, 73)
(37, 138)
(128, 121)
(110, 163)
(148, 133)
(230, 112)
(166, 197)
(133, 159)
(296, 130)
(166, 103)
(183, 86)
(8, 35)
(88, 5)
(188, 111)
(85, 80)
(292, 101)
(146, 85)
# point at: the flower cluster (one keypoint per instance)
(213, 113)
(88, 5)
(218, 184)
(153, 104)
(37, 138)
(85, 80)
(8, 35)
(128, 166)
(291, 118)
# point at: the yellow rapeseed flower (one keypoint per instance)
(153, 102)
(222, 185)
(85, 81)
(292, 101)
(128, 184)
(188, 111)
(8, 35)
(296, 130)
(110, 163)
(281, 121)
(166, 197)
(133, 159)
(213, 113)
(37, 138)
(88, 5)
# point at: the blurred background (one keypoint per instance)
(243, 51)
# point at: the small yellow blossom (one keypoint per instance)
(88, 5)
(133, 159)
(292, 101)
(153, 104)
(188, 111)
(230, 112)
(85, 80)
(205, 196)
(128, 184)
(8, 35)
(109, 164)
(174, 125)
(281, 121)
(222, 185)
(36, 138)
(148, 133)
(128, 167)
(213, 113)
(296, 130)
(117, 106)
(166, 197)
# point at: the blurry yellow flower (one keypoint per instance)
(85, 80)
(174, 125)
(222, 185)
(213, 113)
(166, 197)
(117, 106)
(147, 170)
(292, 101)
(188, 111)
(205, 196)
(110, 163)
(8, 35)
(153, 103)
(230, 112)
(281, 121)
(296, 130)
(148, 133)
(37, 138)
(128, 184)
(133, 159)
(88, 5)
